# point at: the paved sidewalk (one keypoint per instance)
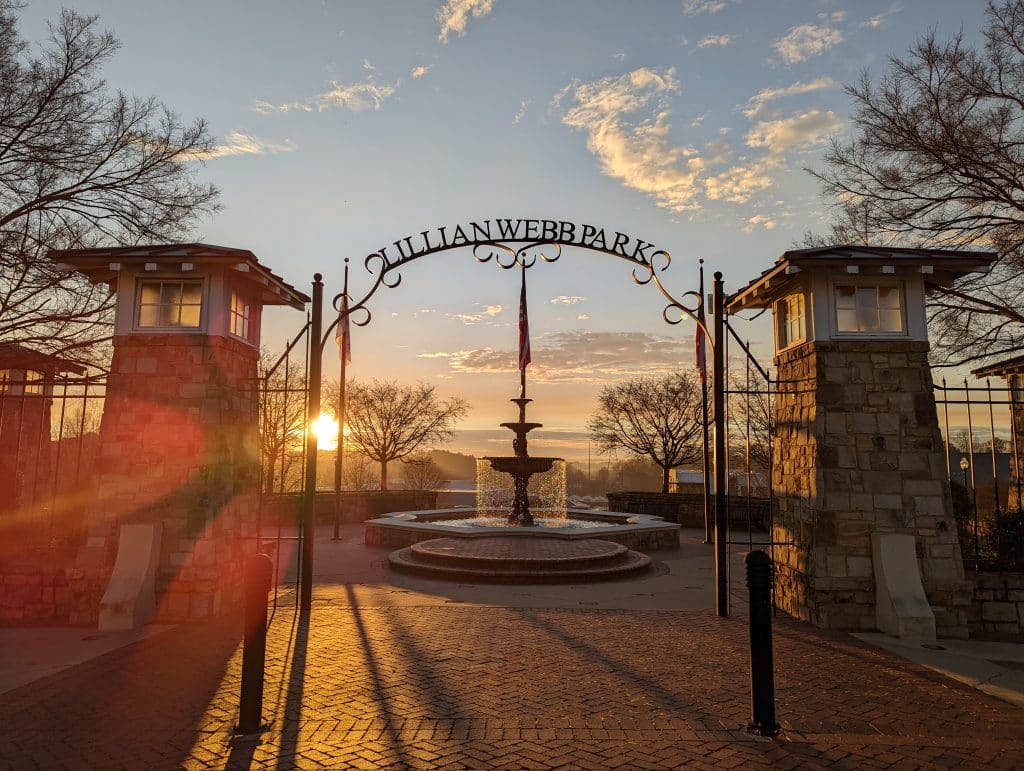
(405, 672)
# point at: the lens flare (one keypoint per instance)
(326, 429)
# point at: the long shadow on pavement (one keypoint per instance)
(377, 681)
(151, 700)
(670, 701)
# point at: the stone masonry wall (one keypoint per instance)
(997, 608)
(858, 449)
(179, 445)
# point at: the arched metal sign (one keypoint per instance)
(519, 242)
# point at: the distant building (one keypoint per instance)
(26, 399)
(1013, 371)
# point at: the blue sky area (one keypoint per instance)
(343, 126)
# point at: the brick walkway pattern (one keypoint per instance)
(465, 686)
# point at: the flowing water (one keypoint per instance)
(495, 491)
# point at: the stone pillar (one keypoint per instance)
(1017, 441)
(178, 446)
(858, 450)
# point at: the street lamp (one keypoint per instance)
(964, 465)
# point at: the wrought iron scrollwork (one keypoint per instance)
(676, 310)
(511, 254)
(507, 257)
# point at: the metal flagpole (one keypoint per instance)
(524, 339)
(344, 356)
(702, 364)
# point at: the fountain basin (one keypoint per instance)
(504, 559)
(641, 532)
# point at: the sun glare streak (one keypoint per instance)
(326, 429)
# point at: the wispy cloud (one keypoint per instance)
(759, 220)
(637, 152)
(832, 16)
(807, 40)
(715, 40)
(454, 16)
(695, 7)
(524, 105)
(577, 356)
(357, 96)
(875, 22)
(488, 312)
(240, 143)
(807, 128)
(421, 70)
(626, 122)
(757, 102)
(738, 183)
(568, 299)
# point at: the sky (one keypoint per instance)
(345, 126)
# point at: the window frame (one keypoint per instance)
(34, 383)
(782, 320)
(868, 281)
(245, 316)
(141, 281)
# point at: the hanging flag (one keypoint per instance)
(524, 328)
(344, 334)
(700, 340)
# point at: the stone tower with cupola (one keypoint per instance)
(865, 529)
(178, 447)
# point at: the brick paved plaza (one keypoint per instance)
(396, 671)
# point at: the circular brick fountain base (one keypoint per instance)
(512, 560)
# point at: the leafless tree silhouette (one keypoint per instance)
(937, 159)
(655, 417)
(389, 421)
(80, 166)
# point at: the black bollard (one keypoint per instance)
(258, 575)
(762, 660)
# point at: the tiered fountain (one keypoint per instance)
(521, 466)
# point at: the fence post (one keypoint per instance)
(762, 664)
(312, 413)
(258, 575)
(718, 399)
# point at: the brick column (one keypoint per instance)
(858, 450)
(178, 445)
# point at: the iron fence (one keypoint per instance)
(283, 395)
(49, 442)
(980, 425)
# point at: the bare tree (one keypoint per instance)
(419, 472)
(750, 415)
(81, 166)
(282, 405)
(937, 160)
(659, 418)
(390, 421)
(358, 472)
